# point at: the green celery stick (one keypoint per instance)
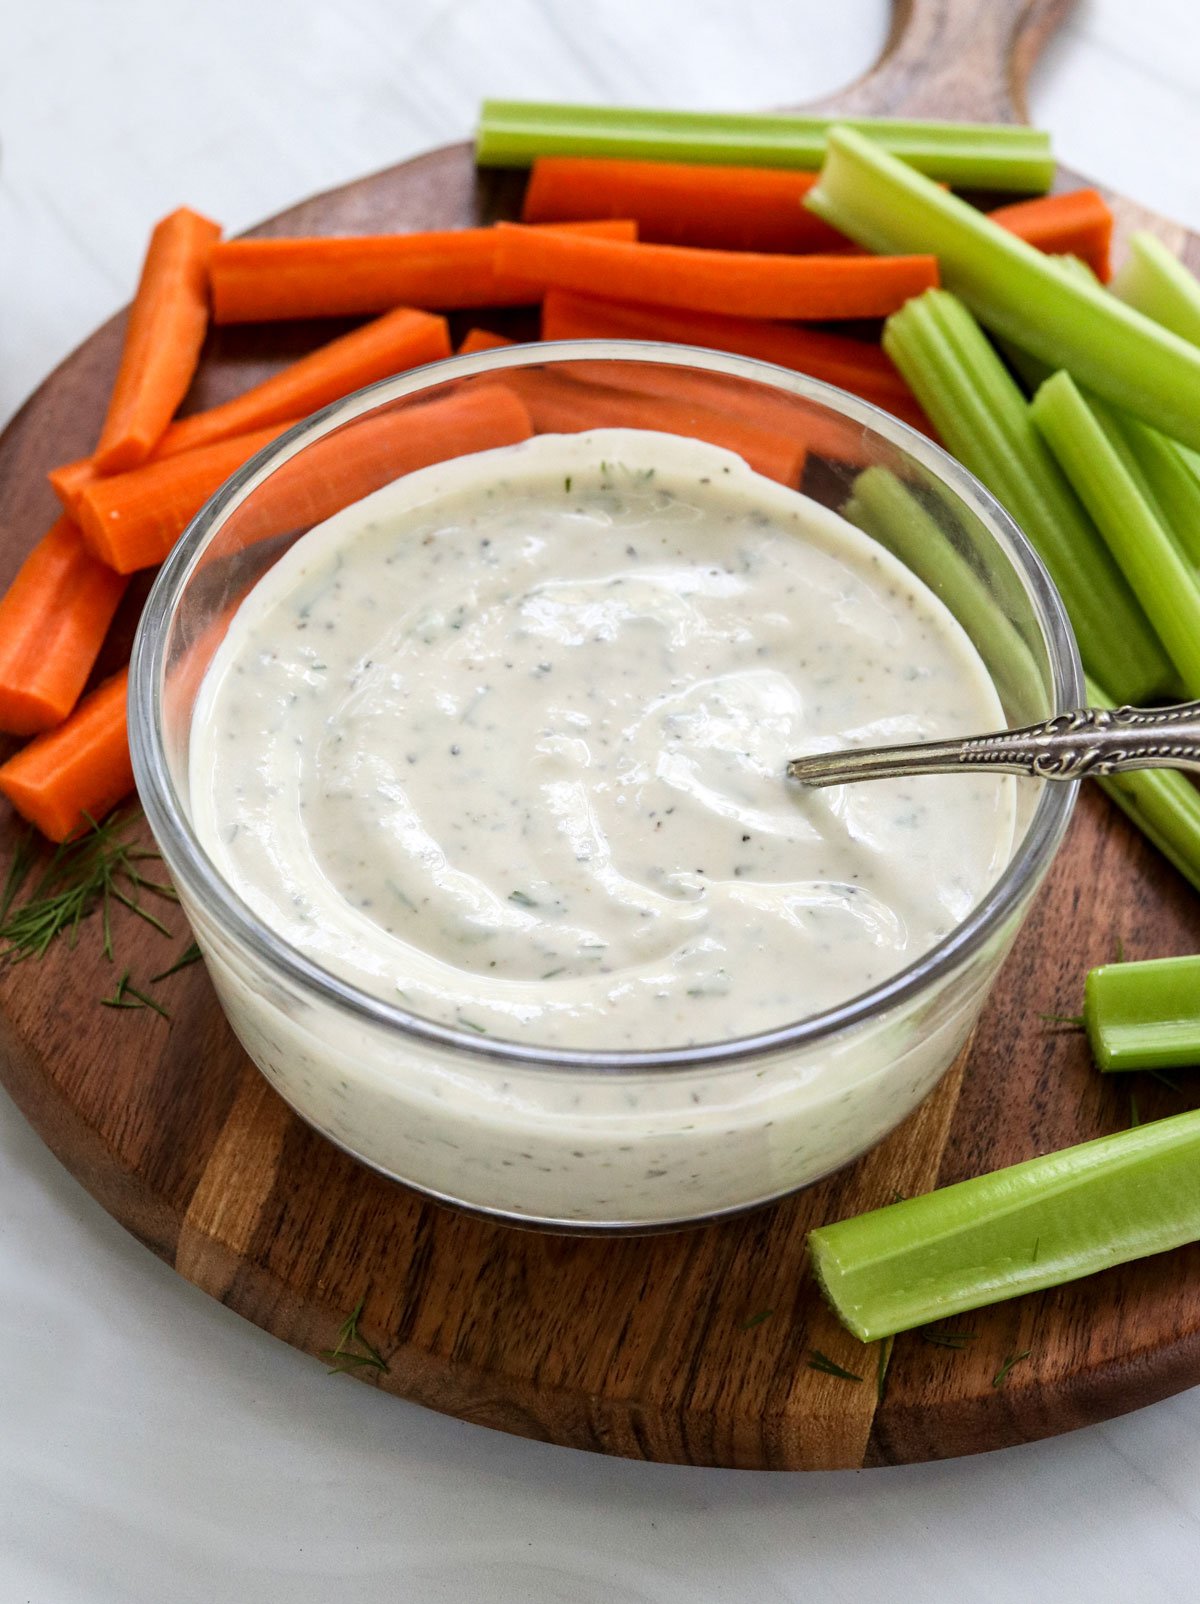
(1168, 478)
(1168, 473)
(1162, 803)
(891, 512)
(1034, 1225)
(975, 404)
(1155, 281)
(1144, 1015)
(1031, 370)
(1161, 577)
(1019, 293)
(512, 133)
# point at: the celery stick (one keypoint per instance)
(1144, 1015)
(512, 133)
(1021, 294)
(892, 513)
(1167, 472)
(1162, 803)
(1155, 281)
(1034, 1225)
(1162, 579)
(984, 419)
(1031, 370)
(1167, 477)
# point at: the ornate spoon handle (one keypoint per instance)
(1090, 741)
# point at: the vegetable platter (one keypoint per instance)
(713, 1346)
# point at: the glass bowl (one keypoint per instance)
(603, 1140)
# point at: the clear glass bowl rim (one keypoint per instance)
(202, 881)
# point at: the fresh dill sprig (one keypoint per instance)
(23, 860)
(127, 995)
(756, 1319)
(881, 1367)
(1171, 1085)
(1001, 1375)
(947, 1339)
(118, 999)
(189, 955)
(87, 873)
(828, 1367)
(343, 1359)
(1075, 1021)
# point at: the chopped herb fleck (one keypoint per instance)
(946, 1339)
(190, 955)
(881, 1367)
(756, 1319)
(1001, 1375)
(126, 995)
(822, 1362)
(343, 1358)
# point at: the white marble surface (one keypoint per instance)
(154, 1449)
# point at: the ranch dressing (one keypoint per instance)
(504, 744)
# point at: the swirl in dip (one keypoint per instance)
(505, 743)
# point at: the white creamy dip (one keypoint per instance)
(504, 744)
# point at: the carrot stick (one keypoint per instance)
(132, 520)
(53, 620)
(678, 203)
(167, 323)
(260, 280)
(401, 339)
(481, 340)
(370, 452)
(741, 282)
(560, 404)
(1076, 224)
(853, 365)
(70, 481)
(77, 771)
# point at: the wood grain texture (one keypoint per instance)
(651, 1348)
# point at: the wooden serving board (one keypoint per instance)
(659, 1348)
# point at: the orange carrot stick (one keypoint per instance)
(370, 452)
(398, 340)
(132, 520)
(678, 203)
(741, 282)
(1079, 223)
(481, 340)
(53, 620)
(853, 365)
(70, 481)
(77, 771)
(167, 323)
(260, 280)
(560, 404)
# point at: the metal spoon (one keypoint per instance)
(1090, 741)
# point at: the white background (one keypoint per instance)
(153, 1447)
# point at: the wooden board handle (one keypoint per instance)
(966, 60)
